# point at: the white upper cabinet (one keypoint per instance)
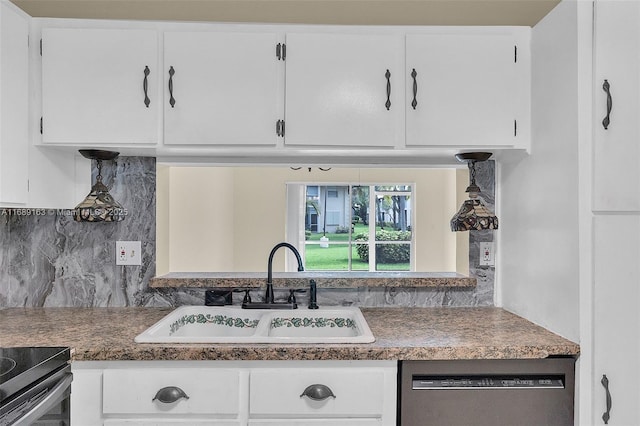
(100, 86)
(14, 105)
(344, 90)
(462, 89)
(616, 182)
(221, 88)
(278, 91)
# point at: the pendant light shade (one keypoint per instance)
(99, 205)
(473, 214)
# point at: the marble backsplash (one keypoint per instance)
(51, 260)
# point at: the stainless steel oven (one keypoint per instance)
(530, 392)
(35, 386)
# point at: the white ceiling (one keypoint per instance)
(350, 12)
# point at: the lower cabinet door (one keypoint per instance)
(171, 392)
(317, 393)
(616, 381)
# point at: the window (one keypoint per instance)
(358, 228)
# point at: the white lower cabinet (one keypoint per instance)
(319, 393)
(211, 391)
(162, 422)
(616, 319)
(229, 393)
(317, 422)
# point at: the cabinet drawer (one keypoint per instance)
(279, 392)
(209, 391)
(338, 422)
(190, 422)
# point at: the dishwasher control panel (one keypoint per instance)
(421, 382)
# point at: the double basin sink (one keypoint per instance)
(229, 324)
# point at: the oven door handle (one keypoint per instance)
(54, 396)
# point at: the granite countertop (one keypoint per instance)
(103, 334)
(323, 279)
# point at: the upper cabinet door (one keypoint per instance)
(14, 105)
(344, 90)
(221, 88)
(616, 176)
(465, 89)
(100, 87)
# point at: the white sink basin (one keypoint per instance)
(209, 324)
(316, 326)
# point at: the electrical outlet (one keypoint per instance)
(487, 254)
(128, 253)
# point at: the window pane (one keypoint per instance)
(393, 257)
(393, 217)
(334, 257)
(360, 257)
(360, 209)
(337, 225)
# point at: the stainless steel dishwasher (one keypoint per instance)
(532, 392)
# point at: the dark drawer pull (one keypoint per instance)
(318, 392)
(170, 394)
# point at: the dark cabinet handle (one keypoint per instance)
(606, 87)
(605, 383)
(145, 86)
(170, 394)
(414, 74)
(388, 103)
(172, 100)
(318, 392)
(280, 128)
(281, 51)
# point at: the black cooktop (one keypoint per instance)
(20, 367)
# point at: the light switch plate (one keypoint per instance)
(128, 253)
(487, 254)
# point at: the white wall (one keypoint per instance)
(538, 275)
(201, 231)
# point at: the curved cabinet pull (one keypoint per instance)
(318, 392)
(280, 128)
(414, 74)
(606, 87)
(145, 86)
(172, 100)
(605, 383)
(388, 103)
(169, 395)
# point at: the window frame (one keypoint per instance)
(351, 244)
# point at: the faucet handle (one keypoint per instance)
(292, 296)
(247, 296)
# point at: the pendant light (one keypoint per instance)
(473, 214)
(99, 205)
